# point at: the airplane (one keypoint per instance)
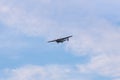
(60, 40)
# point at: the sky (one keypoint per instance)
(93, 53)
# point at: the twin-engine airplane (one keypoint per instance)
(61, 40)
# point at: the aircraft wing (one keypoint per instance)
(66, 37)
(52, 41)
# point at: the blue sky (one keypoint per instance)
(93, 53)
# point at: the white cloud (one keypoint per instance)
(117, 79)
(102, 43)
(106, 65)
(93, 35)
(23, 21)
(51, 72)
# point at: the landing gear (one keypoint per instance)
(67, 39)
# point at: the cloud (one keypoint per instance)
(20, 19)
(94, 33)
(37, 21)
(104, 65)
(117, 79)
(51, 72)
(101, 37)
(101, 43)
